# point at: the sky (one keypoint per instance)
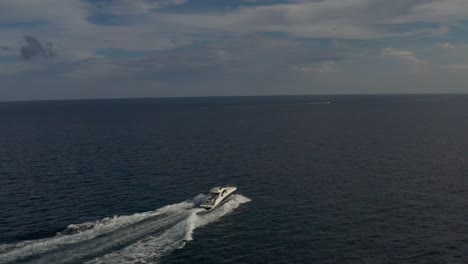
(76, 49)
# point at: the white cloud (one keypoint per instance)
(327, 67)
(247, 55)
(451, 56)
(66, 24)
(456, 67)
(57, 14)
(446, 46)
(132, 7)
(402, 55)
(457, 49)
(324, 67)
(232, 47)
(348, 19)
(444, 11)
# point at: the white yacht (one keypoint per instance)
(217, 196)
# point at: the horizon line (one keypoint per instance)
(225, 96)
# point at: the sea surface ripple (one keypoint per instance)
(331, 179)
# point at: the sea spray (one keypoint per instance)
(140, 237)
(152, 248)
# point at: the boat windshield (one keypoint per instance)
(211, 198)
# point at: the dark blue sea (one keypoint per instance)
(321, 179)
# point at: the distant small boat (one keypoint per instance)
(216, 197)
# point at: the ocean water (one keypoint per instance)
(321, 179)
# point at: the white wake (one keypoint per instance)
(138, 238)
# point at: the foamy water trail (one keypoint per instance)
(138, 238)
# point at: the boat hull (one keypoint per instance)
(209, 210)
